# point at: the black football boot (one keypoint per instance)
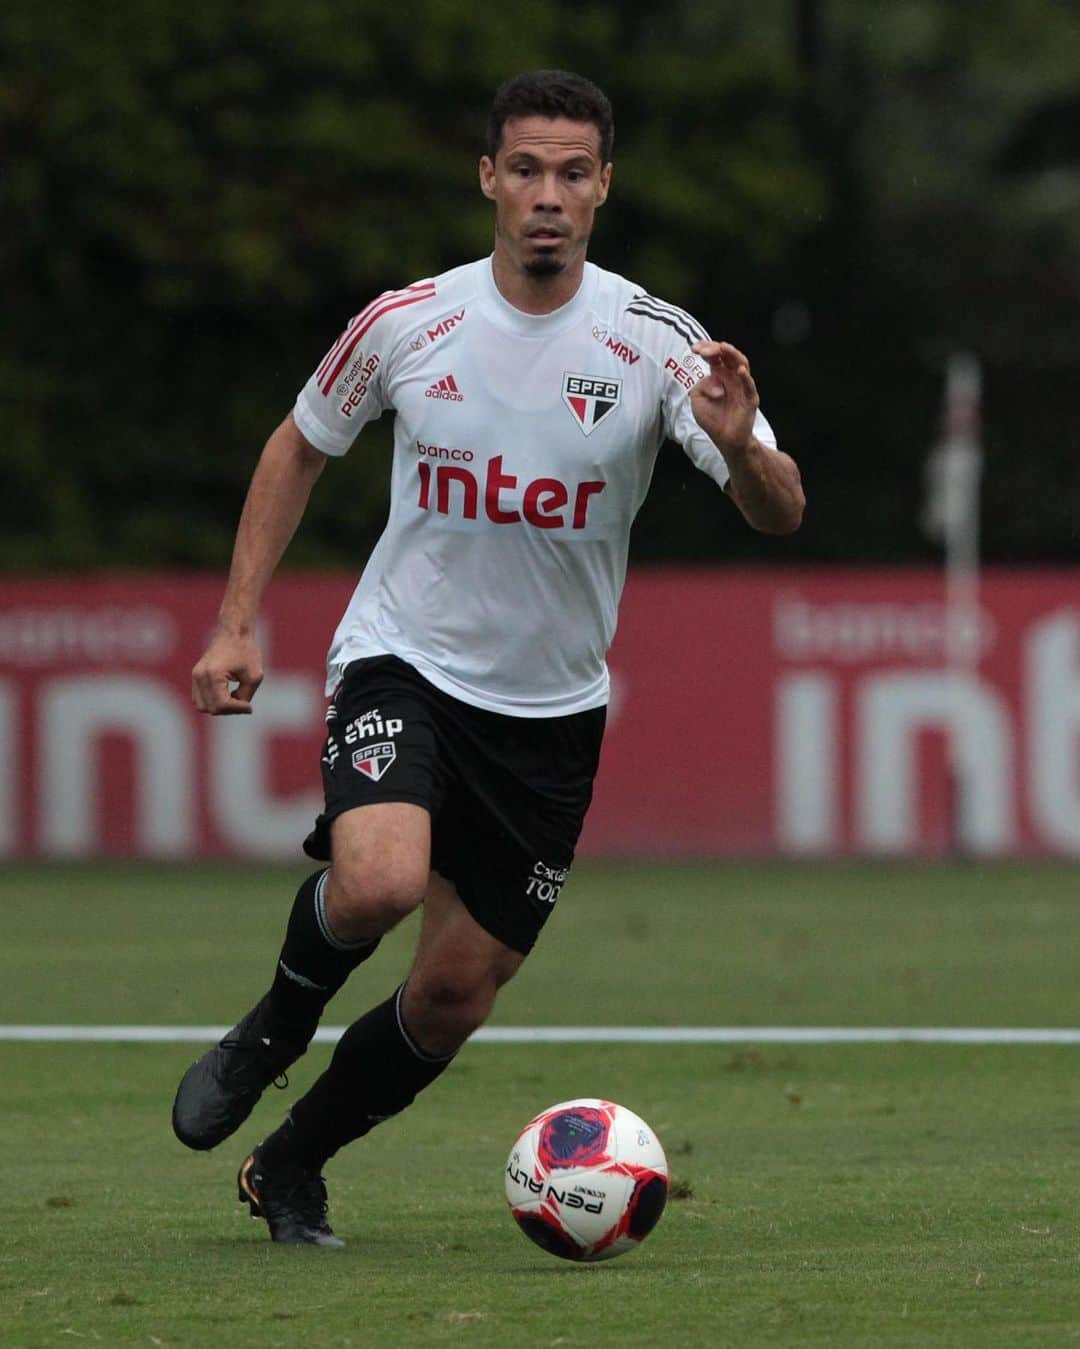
(219, 1091)
(291, 1199)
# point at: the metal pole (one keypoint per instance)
(961, 474)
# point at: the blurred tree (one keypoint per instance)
(948, 250)
(196, 198)
(200, 197)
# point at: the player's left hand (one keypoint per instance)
(725, 401)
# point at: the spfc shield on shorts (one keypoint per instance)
(374, 760)
(590, 399)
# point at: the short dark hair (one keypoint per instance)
(551, 93)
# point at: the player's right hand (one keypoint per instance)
(229, 659)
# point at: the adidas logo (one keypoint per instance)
(445, 388)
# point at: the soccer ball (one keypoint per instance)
(587, 1180)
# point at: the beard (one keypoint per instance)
(544, 266)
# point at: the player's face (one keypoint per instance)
(546, 181)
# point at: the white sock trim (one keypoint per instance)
(413, 1046)
(324, 925)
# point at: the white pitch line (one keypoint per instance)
(816, 1035)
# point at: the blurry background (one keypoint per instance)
(194, 199)
(196, 196)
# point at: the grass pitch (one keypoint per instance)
(866, 1195)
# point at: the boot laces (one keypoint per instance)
(258, 1048)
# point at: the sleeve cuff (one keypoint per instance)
(313, 430)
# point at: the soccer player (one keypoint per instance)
(532, 392)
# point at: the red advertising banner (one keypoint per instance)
(753, 712)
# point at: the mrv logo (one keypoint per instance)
(617, 345)
(445, 325)
(567, 1198)
(441, 329)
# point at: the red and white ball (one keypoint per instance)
(587, 1180)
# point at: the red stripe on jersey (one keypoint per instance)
(333, 351)
(364, 321)
(387, 294)
(344, 337)
(425, 286)
(451, 383)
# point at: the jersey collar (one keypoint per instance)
(503, 314)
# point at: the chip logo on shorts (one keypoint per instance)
(374, 760)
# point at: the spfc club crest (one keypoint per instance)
(374, 760)
(590, 398)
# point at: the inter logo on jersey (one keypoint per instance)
(590, 399)
(374, 760)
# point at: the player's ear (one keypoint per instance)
(487, 177)
(604, 184)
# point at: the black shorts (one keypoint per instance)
(507, 795)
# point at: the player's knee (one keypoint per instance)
(456, 1001)
(372, 895)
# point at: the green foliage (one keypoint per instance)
(196, 197)
(975, 230)
(200, 197)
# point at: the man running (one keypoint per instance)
(532, 393)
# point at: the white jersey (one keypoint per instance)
(523, 448)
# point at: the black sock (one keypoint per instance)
(314, 963)
(376, 1071)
